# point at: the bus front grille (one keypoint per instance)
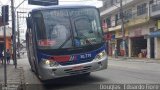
(75, 62)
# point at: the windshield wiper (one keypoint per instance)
(65, 41)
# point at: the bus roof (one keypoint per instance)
(62, 7)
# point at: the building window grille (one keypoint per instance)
(141, 9)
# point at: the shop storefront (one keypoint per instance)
(110, 40)
(119, 43)
(138, 43)
(8, 43)
(139, 47)
(156, 41)
(8, 38)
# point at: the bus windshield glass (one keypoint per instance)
(67, 28)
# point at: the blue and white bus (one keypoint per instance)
(65, 41)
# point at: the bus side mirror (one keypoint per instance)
(29, 22)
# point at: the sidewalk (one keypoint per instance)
(146, 60)
(15, 77)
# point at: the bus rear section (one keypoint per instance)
(64, 41)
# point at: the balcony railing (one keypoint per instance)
(155, 7)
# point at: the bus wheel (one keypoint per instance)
(37, 71)
(31, 67)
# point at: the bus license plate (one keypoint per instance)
(77, 68)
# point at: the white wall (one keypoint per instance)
(129, 47)
(139, 30)
(157, 48)
(148, 48)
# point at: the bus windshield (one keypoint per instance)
(67, 28)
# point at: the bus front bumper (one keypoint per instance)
(47, 73)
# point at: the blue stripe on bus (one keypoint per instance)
(75, 57)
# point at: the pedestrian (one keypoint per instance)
(116, 52)
(1, 57)
(8, 56)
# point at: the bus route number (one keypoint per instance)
(84, 56)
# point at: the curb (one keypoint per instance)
(136, 60)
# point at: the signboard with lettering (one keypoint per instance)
(158, 24)
(120, 35)
(43, 2)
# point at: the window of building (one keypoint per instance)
(110, 3)
(128, 14)
(108, 21)
(141, 9)
(157, 1)
(156, 5)
(118, 19)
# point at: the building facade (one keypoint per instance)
(141, 27)
(8, 38)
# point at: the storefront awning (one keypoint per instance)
(155, 34)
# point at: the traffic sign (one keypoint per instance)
(43, 2)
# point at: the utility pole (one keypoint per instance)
(14, 30)
(4, 33)
(13, 33)
(122, 27)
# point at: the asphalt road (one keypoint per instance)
(118, 72)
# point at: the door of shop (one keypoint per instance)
(139, 45)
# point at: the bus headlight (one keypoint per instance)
(101, 55)
(47, 62)
(51, 63)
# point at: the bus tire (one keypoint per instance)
(31, 66)
(37, 71)
(32, 69)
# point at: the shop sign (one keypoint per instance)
(155, 34)
(43, 2)
(138, 32)
(108, 36)
(158, 24)
(119, 34)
